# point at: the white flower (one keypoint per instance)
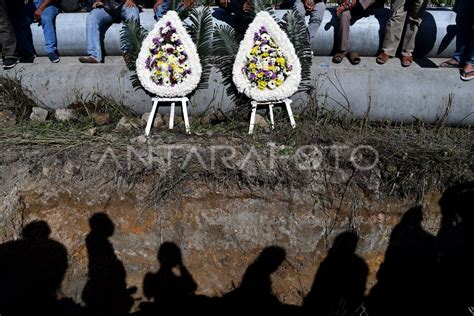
(271, 84)
(180, 48)
(285, 49)
(280, 77)
(165, 30)
(167, 82)
(258, 43)
(174, 37)
(265, 37)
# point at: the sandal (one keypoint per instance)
(382, 58)
(467, 75)
(337, 59)
(354, 58)
(451, 63)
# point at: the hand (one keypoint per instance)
(157, 4)
(187, 3)
(246, 6)
(130, 3)
(309, 5)
(224, 3)
(97, 4)
(340, 9)
(38, 14)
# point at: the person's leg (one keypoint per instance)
(394, 27)
(161, 10)
(344, 27)
(7, 34)
(132, 13)
(48, 19)
(21, 25)
(415, 15)
(315, 19)
(98, 21)
(468, 69)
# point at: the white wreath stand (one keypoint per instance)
(184, 107)
(255, 104)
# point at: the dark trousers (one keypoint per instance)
(7, 35)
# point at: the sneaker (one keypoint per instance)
(54, 57)
(27, 59)
(88, 60)
(9, 62)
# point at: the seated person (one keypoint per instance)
(234, 13)
(349, 11)
(103, 14)
(161, 7)
(315, 9)
(43, 12)
(7, 38)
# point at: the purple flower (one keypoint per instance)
(168, 23)
(253, 76)
(170, 50)
(268, 73)
(274, 75)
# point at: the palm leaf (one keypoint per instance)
(295, 27)
(260, 5)
(132, 35)
(200, 28)
(226, 46)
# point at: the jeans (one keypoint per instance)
(464, 32)
(23, 31)
(98, 21)
(163, 8)
(7, 35)
(315, 19)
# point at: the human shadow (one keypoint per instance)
(455, 256)
(32, 269)
(406, 278)
(339, 284)
(171, 290)
(105, 292)
(255, 295)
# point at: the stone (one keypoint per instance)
(92, 131)
(65, 114)
(7, 119)
(70, 168)
(261, 122)
(126, 124)
(177, 119)
(102, 119)
(157, 122)
(39, 114)
(142, 139)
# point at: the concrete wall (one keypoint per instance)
(391, 92)
(435, 39)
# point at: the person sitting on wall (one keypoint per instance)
(464, 55)
(349, 11)
(402, 12)
(44, 12)
(235, 13)
(7, 38)
(103, 14)
(162, 6)
(315, 9)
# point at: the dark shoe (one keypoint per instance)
(467, 75)
(337, 59)
(54, 57)
(9, 62)
(27, 59)
(407, 61)
(382, 58)
(354, 58)
(88, 60)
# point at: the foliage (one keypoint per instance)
(132, 35)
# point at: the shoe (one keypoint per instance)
(88, 60)
(337, 59)
(27, 59)
(54, 57)
(354, 58)
(467, 75)
(382, 58)
(9, 62)
(407, 61)
(450, 63)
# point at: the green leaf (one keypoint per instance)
(132, 35)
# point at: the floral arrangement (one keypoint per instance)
(168, 64)
(266, 67)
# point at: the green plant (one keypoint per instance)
(132, 35)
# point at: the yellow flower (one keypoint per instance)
(262, 84)
(252, 66)
(272, 68)
(279, 82)
(264, 55)
(260, 74)
(281, 61)
(254, 50)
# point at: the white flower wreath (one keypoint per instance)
(271, 92)
(183, 60)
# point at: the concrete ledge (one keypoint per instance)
(436, 37)
(387, 92)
